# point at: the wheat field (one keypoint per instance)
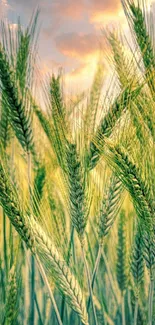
(77, 183)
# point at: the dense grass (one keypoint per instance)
(77, 185)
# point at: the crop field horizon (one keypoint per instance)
(77, 169)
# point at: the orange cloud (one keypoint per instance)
(49, 66)
(76, 72)
(65, 8)
(81, 77)
(78, 45)
(103, 11)
(105, 6)
(70, 8)
(75, 9)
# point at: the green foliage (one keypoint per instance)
(5, 132)
(19, 118)
(137, 19)
(11, 302)
(149, 251)
(137, 262)
(122, 257)
(110, 207)
(91, 155)
(39, 183)
(78, 207)
(108, 123)
(136, 186)
(10, 203)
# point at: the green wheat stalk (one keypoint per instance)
(149, 257)
(20, 119)
(136, 19)
(137, 268)
(109, 209)
(122, 261)
(108, 123)
(39, 244)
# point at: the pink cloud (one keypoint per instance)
(66, 8)
(77, 45)
(77, 71)
(105, 6)
(75, 9)
(101, 10)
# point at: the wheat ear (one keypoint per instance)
(109, 209)
(10, 312)
(129, 173)
(5, 132)
(108, 123)
(136, 19)
(61, 273)
(39, 244)
(76, 191)
(127, 75)
(78, 206)
(20, 119)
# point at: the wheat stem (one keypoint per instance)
(32, 291)
(123, 309)
(68, 260)
(96, 265)
(151, 294)
(5, 245)
(110, 277)
(129, 304)
(29, 172)
(11, 228)
(32, 271)
(89, 283)
(11, 245)
(38, 310)
(95, 272)
(136, 311)
(42, 272)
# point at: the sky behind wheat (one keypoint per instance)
(71, 32)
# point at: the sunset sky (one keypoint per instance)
(71, 35)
